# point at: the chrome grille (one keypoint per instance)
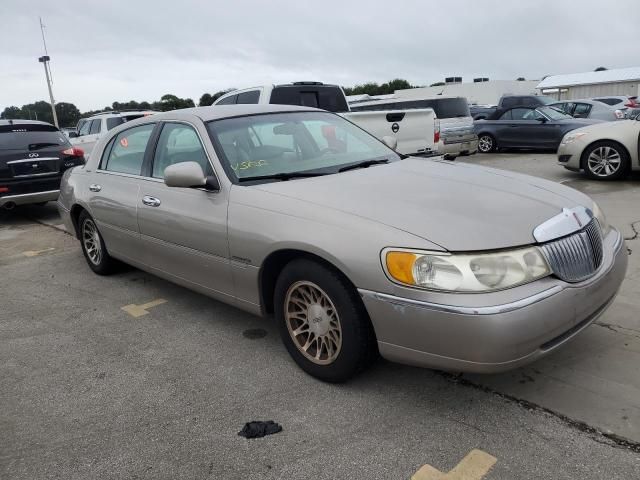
(577, 256)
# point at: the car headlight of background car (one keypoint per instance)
(468, 272)
(571, 137)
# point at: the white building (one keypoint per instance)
(619, 81)
(481, 93)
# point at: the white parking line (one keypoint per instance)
(472, 467)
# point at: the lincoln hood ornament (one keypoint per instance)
(570, 220)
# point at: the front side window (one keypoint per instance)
(552, 113)
(522, 114)
(290, 143)
(249, 97)
(230, 100)
(127, 152)
(506, 115)
(95, 126)
(84, 129)
(179, 143)
(582, 110)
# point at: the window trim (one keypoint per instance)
(111, 143)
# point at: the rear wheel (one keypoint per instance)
(323, 322)
(486, 143)
(605, 161)
(93, 246)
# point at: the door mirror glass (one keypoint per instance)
(185, 175)
(390, 142)
(72, 135)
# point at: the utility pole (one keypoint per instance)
(47, 72)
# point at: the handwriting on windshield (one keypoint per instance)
(250, 164)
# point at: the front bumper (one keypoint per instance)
(569, 155)
(494, 338)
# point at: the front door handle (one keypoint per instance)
(94, 187)
(151, 201)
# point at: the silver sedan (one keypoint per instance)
(355, 250)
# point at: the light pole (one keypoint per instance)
(45, 61)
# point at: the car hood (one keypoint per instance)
(460, 207)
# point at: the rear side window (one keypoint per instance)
(30, 137)
(506, 115)
(95, 126)
(249, 97)
(84, 129)
(326, 97)
(230, 100)
(113, 122)
(127, 152)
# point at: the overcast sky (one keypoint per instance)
(110, 50)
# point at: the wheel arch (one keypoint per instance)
(583, 155)
(276, 261)
(75, 212)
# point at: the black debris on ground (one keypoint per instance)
(259, 429)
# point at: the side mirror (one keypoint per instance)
(188, 175)
(542, 119)
(73, 135)
(390, 142)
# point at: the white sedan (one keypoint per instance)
(605, 151)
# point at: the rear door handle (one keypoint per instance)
(151, 201)
(94, 187)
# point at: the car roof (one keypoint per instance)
(19, 121)
(227, 111)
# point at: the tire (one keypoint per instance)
(93, 247)
(605, 161)
(333, 321)
(486, 143)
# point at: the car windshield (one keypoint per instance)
(28, 136)
(553, 113)
(292, 144)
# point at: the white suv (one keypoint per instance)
(89, 130)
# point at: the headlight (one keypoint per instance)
(473, 272)
(572, 137)
(602, 220)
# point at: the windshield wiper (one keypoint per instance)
(282, 176)
(365, 164)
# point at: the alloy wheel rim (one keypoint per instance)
(604, 161)
(313, 322)
(485, 143)
(91, 242)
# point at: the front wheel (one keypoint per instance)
(486, 143)
(605, 161)
(323, 322)
(93, 247)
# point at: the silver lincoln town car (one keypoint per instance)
(354, 249)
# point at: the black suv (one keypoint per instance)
(33, 157)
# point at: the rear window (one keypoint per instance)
(326, 97)
(608, 101)
(113, 122)
(30, 137)
(443, 107)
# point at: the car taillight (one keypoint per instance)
(619, 114)
(436, 131)
(73, 152)
(4, 189)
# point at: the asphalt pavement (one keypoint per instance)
(160, 389)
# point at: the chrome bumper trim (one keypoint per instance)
(439, 307)
(33, 197)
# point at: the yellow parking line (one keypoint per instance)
(35, 253)
(140, 310)
(472, 467)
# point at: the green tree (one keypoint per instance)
(68, 114)
(39, 110)
(10, 113)
(171, 102)
(521, 79)
(438, 84)
(205, 100)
